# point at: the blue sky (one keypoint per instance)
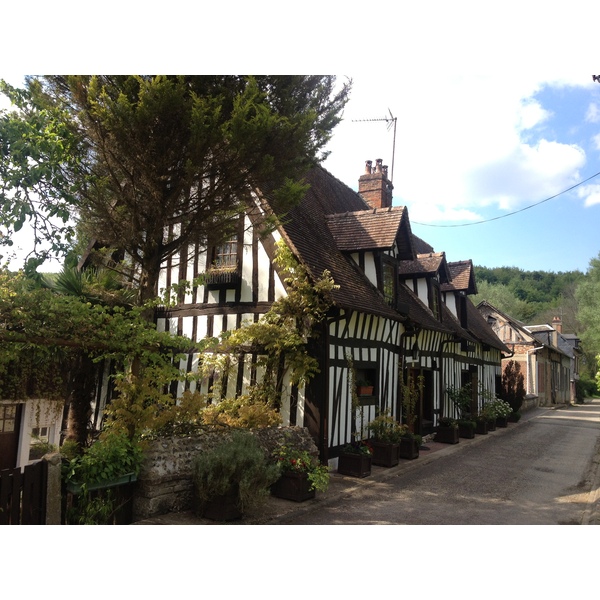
(474, 154)
(495, 104)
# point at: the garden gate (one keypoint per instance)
(23, 495)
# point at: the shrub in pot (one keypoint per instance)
(447, 431)
(355, 459)
(301, 475)
(391, 441)
(232, 477)
(466, 428)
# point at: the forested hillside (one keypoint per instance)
(530, 296)
(536, 297)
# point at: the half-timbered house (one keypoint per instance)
(398, 309)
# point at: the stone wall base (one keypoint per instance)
(165, 480)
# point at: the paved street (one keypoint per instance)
(541, 471)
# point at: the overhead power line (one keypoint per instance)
(514, 212)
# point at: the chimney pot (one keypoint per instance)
(557, 324)
(374, 186)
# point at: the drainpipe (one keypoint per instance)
(529, 365)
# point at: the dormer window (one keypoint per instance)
(435, 299)
(224, 271)
(226, 254)
(388, 277)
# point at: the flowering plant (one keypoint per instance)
(384, 428)
(358, 447)
(501, 408)
(294, 460)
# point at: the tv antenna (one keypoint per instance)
(391, 122)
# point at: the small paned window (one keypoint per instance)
(389, 274)
(8, 417)
(434, 298)
(226, 254)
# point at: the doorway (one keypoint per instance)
(10, 426)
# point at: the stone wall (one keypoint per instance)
(165, 479)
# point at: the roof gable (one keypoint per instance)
(462, 277)
(374, 229)
(305, 228)
(426, 264)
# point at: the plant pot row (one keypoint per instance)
(451, 435)
(384, 454)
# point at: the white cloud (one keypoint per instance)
(462, 143)
(590, 194)
(532, 114)
(593, 113)
(528, 174)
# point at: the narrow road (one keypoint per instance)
(542, 471)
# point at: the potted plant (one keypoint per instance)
(514, 417)
(462, 399)
(466, 428)
(409, 445)
(364, 387)
(488, 413)
(97, 480)
(355, 459)
(503, 411)
(447, 431)
(481, 424)
(112, 460)
(232, 477)
(391, 441)
(301, 475)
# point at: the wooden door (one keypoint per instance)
(10, 421)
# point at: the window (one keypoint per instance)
(8, 417)
(226, 254)
(388, 280)
(224, 272)
(40, 434)
(434, 298)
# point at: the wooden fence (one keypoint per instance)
(23, 495)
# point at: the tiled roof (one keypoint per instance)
(425, 264)
(463, 278)
(421, 246)
(332, 220)
(367, 230)
(479, 328)
(420, 314)
(306, 229)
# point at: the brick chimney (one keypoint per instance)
(374, 186)
(557, 324)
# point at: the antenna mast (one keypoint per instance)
(391, 121)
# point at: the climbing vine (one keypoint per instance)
(279, 339)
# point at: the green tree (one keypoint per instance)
(49, 343)
(588, 299)
(513, 386)
(500, 296)
(149, 165)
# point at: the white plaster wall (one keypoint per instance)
(38, 413)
